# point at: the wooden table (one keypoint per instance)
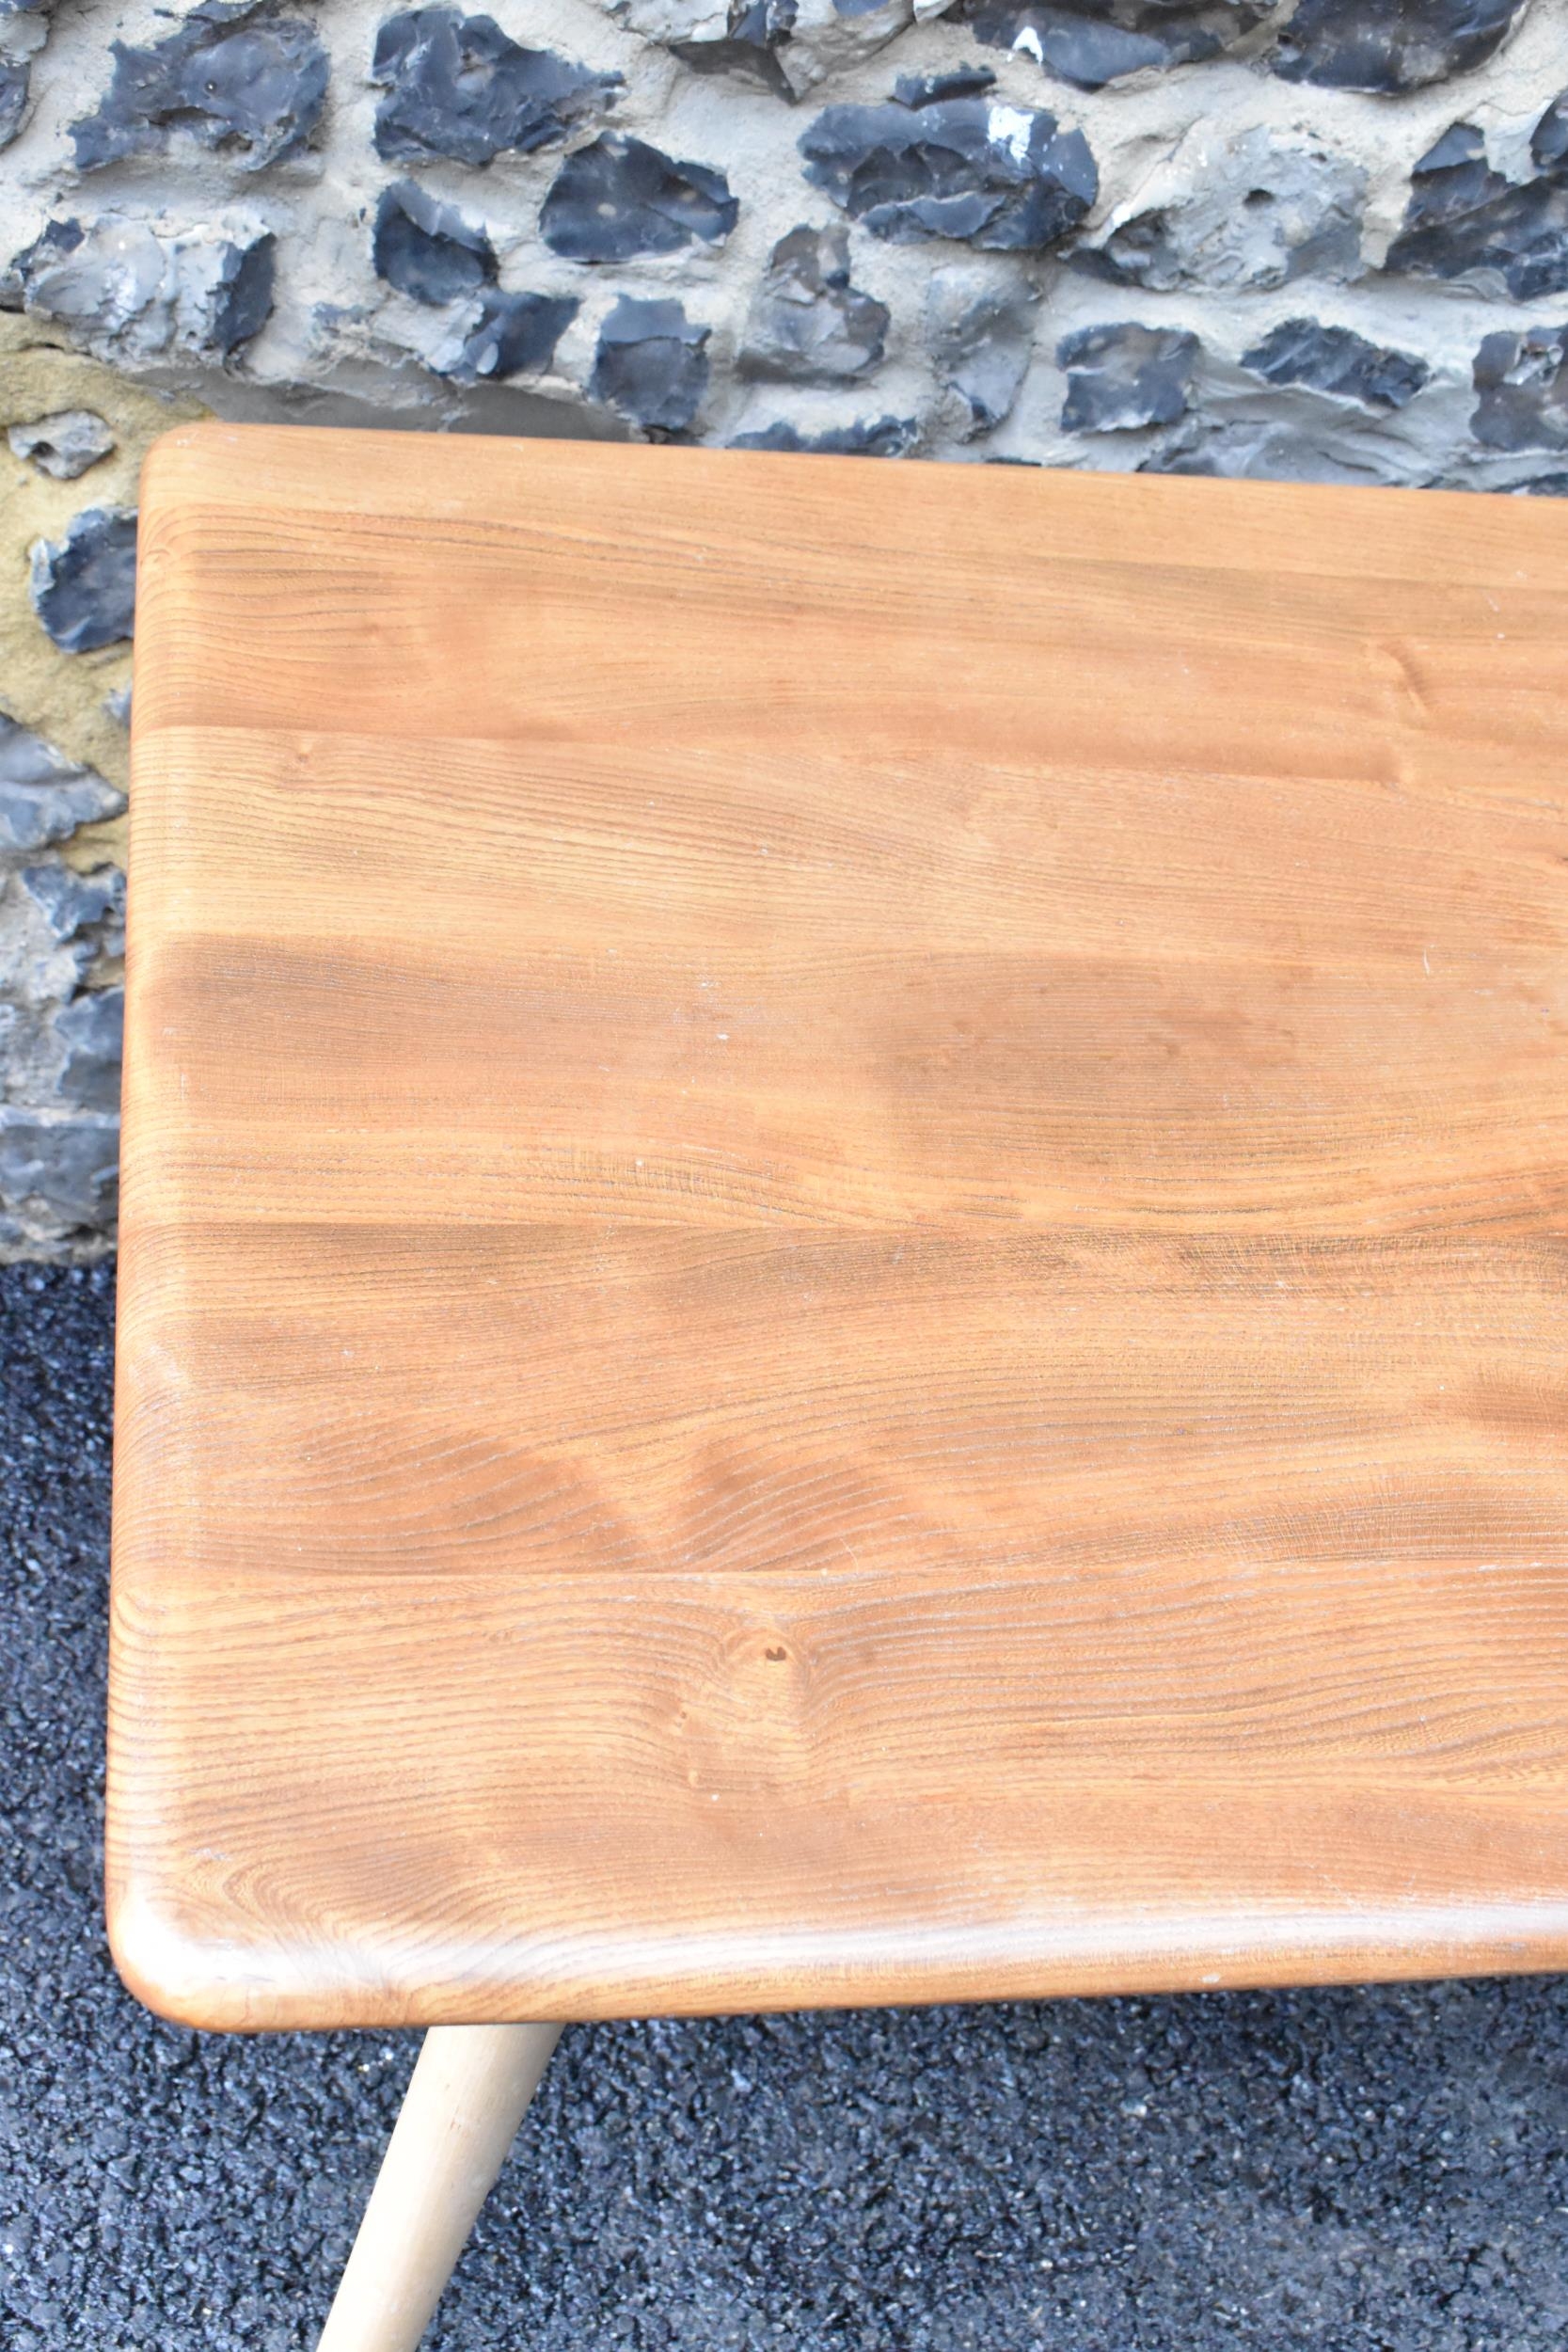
(843, 1258)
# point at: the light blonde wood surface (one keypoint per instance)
(845, 1268)
(471, 2089)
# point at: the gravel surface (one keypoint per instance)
(1355, 2169)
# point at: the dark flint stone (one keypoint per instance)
(93, 1029)
(1464, 221)
(1385, 46)
(72, 1165)
(1549, 144)
(459, 87)
(929, 89)
(82, 275)
(515, 334)
(1253, 450)
(13, 98)
(881, 436)
(233, 75)
(83, 586)
(981, 338)
(757, 30)
(1262, 211)
(1332, 359)
(1461, 143)
(45, 796)
(1523, 383)
(72, 904)
(428, 249)
(243, 304)
(1091, 45)
(807, 323)
(999, 177)
(650, 364)
(55, 239)
(1123, 376)
(620, 197)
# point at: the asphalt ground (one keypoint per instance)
(1367, 2170)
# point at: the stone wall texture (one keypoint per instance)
(1325, 239)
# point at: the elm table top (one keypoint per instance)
(845, 1233)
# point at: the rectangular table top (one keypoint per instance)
(844, 1265)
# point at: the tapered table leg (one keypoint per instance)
(470, 2091)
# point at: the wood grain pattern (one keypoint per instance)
(845, 1234)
